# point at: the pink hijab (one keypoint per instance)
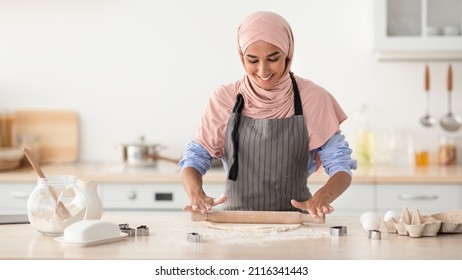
(321, 111)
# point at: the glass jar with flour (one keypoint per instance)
(55, 203)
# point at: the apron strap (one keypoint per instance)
(297, 100)
(235, 136)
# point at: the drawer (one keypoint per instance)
(427, 198)
(150, 196)
(13, 197)
(143, 196)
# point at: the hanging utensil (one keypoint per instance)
(427, 120)
(450, 122)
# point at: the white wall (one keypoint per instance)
(147, 67)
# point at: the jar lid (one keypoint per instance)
(59, 179)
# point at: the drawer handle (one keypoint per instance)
(131, 195)
(163, 196)
(19, 195)
(417, 197)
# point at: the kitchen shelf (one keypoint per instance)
(418, 30)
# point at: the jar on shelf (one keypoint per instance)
(447, 151)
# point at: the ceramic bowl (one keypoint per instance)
(10, 157)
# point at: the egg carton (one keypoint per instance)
(413, 226)
(451, 221)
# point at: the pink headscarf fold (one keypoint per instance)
(321, 111)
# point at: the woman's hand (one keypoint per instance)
(317, 206)
(199, 201)
(203, 203)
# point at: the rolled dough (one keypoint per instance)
(253, 227)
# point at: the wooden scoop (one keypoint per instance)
(61, 210)
(257, 217)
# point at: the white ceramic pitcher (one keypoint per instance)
(93, 202)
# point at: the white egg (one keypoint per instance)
(371, 223)
(389, 215)
(367, 215)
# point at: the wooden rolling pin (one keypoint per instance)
(257, 217)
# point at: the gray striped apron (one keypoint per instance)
(268, 160)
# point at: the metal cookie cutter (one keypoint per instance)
(375, 234)
(142, 230)
(125, 228)
(194, 237)
(338, 231)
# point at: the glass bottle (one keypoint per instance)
(364, 139)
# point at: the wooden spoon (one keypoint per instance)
(427, 120)
(61, 210)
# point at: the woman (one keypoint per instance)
(272, 129)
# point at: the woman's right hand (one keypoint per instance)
(203, 203)
(199, 201)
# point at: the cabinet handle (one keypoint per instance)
(19, 195)
(131, 195)
(407, 196)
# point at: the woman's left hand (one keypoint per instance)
(317, 206)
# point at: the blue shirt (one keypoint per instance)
(335, 156)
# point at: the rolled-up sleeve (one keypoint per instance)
(335, 155)
(196, 156)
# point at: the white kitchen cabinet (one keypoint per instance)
(149, 196)
(142, 196)
(418, 29)
(428, 198)
(13, 197)
(154, 196)
(357, 199)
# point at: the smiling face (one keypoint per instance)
(264, 63)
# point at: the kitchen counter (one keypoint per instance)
(378, 188)
(168, 231)
(169, 173)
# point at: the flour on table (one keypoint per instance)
(253, 227)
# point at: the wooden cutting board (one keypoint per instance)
(56, 133)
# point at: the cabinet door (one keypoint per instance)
(143, 196)
(13, 197)
(150, 196)
(357, 199)
(418, 29)
(427, 198)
